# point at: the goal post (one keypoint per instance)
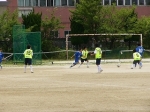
(130, 34)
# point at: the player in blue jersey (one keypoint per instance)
(140, 50)
(1, 58)
(77, 55)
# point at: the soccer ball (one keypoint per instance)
(118, 65)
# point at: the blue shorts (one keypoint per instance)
(76, 61)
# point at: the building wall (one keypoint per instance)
(63, 13)
(3, 6)
(143, 11)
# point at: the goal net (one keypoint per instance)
(101, 35)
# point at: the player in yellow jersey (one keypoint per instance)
(137, 58)
(84, 57)
(28, 54)
(98, 56)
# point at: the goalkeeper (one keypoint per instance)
(77, 56)
(1, 57)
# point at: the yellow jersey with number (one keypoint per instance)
(136, 56)
(84, 54)
(28, 53)
(98, 53)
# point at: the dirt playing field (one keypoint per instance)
(57, 88)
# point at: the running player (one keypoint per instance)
(98, 56)
(1, 57)
(140, 50)
(137, 58)
(28, 54)
(84, 57)
(77, 57)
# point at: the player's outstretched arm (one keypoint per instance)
(72, 56)
(92, 53)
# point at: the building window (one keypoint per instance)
(134, 2)
(141, 2)
(71, 2)
(106, 2)
(147, 2)
(28, 2)
(127, 2)
(120, 2)
(49, 3)
(57, 3)
(35, 3)
(67, 32)
(43, 3)
(54, 34)
(24, 12)
(113, 2)
(63, 2)
(20, 2)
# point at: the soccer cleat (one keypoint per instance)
(71, 66)
(101, 71)
(32, 72)
(131, 67)
(87, 66)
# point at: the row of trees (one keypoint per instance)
(88, 17)
(92, 17)
(33, 23)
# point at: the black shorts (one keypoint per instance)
(136, 61)
(28, 61)
(98, 61)
(82, 60)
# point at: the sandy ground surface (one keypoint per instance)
(57, 88)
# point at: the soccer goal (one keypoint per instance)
(80, 35)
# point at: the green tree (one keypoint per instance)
(32, 21)
(116, 20)
(7, 20)
(86, 14)
(84, 20)
(143, 27)
(96, 18)
(77, 28)
(50, 24)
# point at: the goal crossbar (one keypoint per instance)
(68, 35)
